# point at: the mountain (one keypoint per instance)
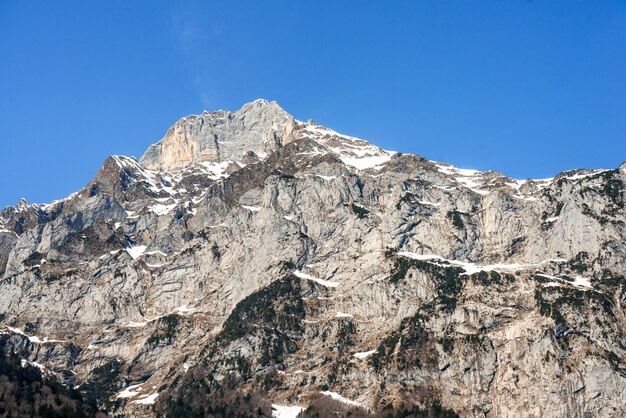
(250, 263)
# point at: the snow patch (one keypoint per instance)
(364, 354)
(222, 225)
(161, 209)
(156, 252)
(147, 400)
(466, 177)
(184, 310)
(578, 281)
(34, 339)
(424, 202)
(16, 330)
(129, 392)
(283, 411)
(579, 176)
(552, 284)
(338, 397)
(215, 171)
(136, 251)
(133, 324)
(343, 315)
(582, 282)
(471, 268)
(323, 282)
(40, 366)
(252, 208)
(322, 130)
(363, 163)
(156, 266)
(354, 152)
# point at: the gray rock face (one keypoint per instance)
(259, 126)
(248, 249)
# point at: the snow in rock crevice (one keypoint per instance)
(364, 354)
(338, 397)
(471, 268)
(581, 282)
(323, 282)
(252, 208)
(33, 338)
(136, 251)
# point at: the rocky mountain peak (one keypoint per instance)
(22, 204)
(248, 252)
(260, 126)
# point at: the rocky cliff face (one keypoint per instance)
(278, 261)
(261, 127)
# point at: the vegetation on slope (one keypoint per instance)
(25, 392)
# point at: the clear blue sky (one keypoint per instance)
(529, 88)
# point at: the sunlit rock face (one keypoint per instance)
(260, 126)
(255, 256)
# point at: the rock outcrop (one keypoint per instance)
(260, 126)
(281, 261)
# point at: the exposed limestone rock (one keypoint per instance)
(259, 126)
(248, 250)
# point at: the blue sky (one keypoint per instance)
(528, 88)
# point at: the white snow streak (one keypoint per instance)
(34, 339)
(560, 281)
(252, 208)
(471, 268)
(326, 283)
(363, 163)
(341, 399)
(133, 324)
(364, 354)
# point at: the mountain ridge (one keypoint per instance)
(322, 267)
(148, 155)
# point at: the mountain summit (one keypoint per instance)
(250, 263)
(260, 126)
(257, 129)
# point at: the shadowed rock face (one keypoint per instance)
(289, 261)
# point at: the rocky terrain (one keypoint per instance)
(250, 263)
